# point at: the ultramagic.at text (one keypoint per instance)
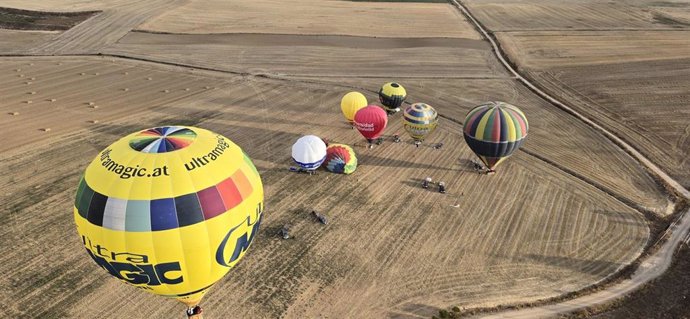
(126, 172)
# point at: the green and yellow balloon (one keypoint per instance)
(169, 210)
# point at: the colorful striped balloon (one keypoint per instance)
(169, 209)
(419, 120)
(494, 130)
(341, 159)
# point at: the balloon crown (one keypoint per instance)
(162, 139)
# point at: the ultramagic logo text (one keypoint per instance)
(242, 242)
(133, 268)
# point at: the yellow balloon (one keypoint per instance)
(351, 103)
(169, 209)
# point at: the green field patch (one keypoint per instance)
(16, 19)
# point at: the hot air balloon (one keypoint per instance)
(370, 122)
(419, 120)
(392, 95)
(351, 103)
(341, 159)
(494, 130)
(309, 152)
(169, 209)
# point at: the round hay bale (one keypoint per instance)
(32, 92)
(82, 73)
(18, 70)
(126, 73)
(52, 100)
(186, 89)
(21, 75)
(13, 113)
(32, 79)
(125, 89)
(90, 103)
(166, 91)
(27, 82)
(149, 79)
(28, 102)
(97, 73)
(46, 129)
(94, 121)
(94, 106)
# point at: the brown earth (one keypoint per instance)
(634, 82)
(666, 297)
(332, 17)
(569, 210)
(548, 233)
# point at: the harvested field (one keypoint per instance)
(557, 138)
(323, 61)
(640, 89)
(548, 233)
(332, 17)
(549, 49)
(568, 210)
(317, 55)
(19, 42)
(100, 94)
(535, 15)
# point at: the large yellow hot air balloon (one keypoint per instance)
(351, 103)
(169, 210)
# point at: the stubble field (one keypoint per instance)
(566, 212)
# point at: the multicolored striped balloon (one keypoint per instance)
(340, 159)
(419, 120)
(494, 130)
(169, 209)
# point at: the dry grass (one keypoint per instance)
(314, 17)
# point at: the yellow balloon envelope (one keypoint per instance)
(351, 103)
(169, 210)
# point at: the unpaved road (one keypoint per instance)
(650, 268)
